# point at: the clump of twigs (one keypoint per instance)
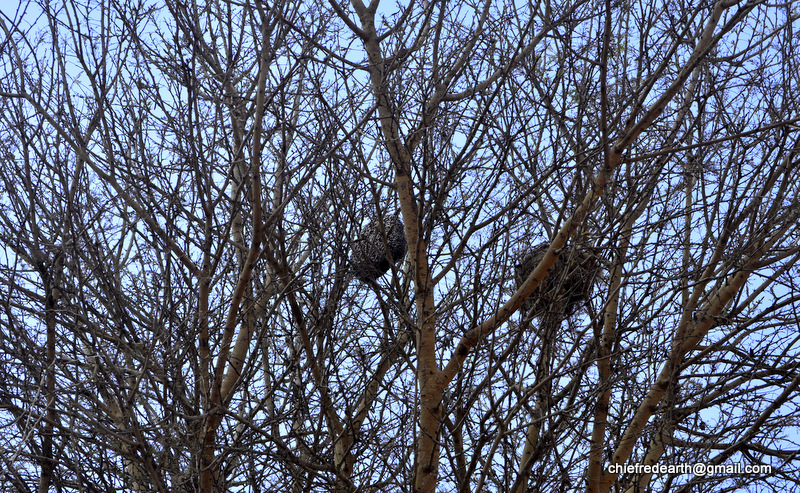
(566, 286)
(380, 244)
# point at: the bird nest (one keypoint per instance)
(566, 286)
(378, 247)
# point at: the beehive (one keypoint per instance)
(370, 258)
(567, 284)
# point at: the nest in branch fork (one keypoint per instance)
(379, 245)
(566, 286)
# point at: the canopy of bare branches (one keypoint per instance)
(186, 190)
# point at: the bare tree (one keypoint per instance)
(204, 208)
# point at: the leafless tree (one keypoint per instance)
(599, 200)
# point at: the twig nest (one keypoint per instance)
(567, 284)
(370, 257)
